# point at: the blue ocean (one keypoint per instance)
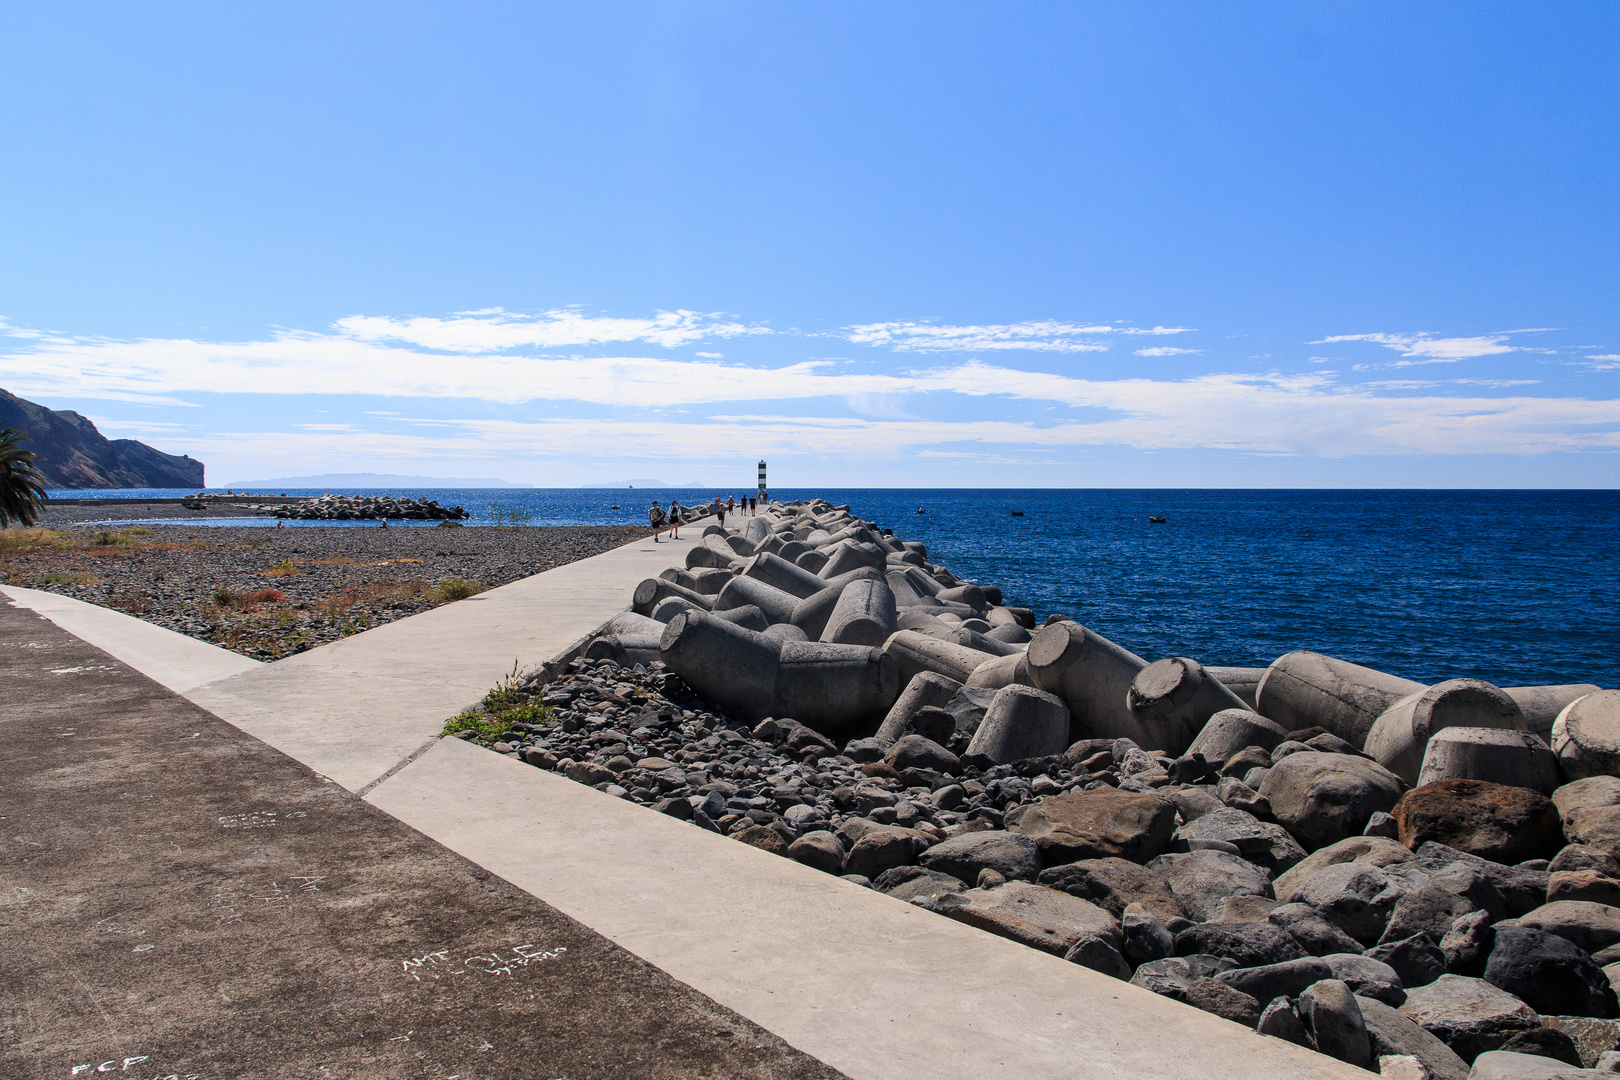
(1517, 587)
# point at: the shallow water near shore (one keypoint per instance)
(1517, 587)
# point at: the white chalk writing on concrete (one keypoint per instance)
(438, 964)
(257, 819)
(108, 1066)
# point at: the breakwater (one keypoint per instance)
(1329, 853)
(1403, 581)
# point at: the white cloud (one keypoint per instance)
(1298, 414)
(711, 355)
(493, 330)
(1225, 413)
(1433, 350)
(1605, 361)
(1047, 336)
(1166, 350)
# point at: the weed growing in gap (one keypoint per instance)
(497, 716)
(453, 589)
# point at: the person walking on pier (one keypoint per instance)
(655, 518)
(674, 519)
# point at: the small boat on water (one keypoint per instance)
(615, 506)
(1017, 513)
(1157, 519)
(920, 510)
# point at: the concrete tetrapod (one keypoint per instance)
(906, 592)
(1512, 758)
(927, 689)
(852, 556)
(1242, 681)
(1308, 689)
(971, 595)
(1586, 736)
(706, 581)
(704, 557)
(776, 571)
(811, 613)
(1542, 704)
(925, 622)
(826, 686)
(1002, 671)
(652, 590)
(748, 615)
(990, 646)
(864, 615)
(776, 604)
(1021, 722)
(916, 653)
(1401, 733)
(722, 662)
(628, 639)
(1092, 676)
(1173, 698)
(812, 561)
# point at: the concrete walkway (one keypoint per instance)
(179, 900)
(871, 986)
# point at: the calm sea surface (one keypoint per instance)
(1516, 587)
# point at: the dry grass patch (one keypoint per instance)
(451, 589)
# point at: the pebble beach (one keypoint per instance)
(266, 592)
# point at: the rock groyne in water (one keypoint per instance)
(1356, 862)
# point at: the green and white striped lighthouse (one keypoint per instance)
(761, 479)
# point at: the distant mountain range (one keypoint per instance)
(377, 480)
(643, 483)
(73, 454)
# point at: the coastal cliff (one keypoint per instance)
(73, 454)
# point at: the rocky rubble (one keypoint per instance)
(361, 508)
(1342, 858)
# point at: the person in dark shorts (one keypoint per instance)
(674, 519)
(655, 518)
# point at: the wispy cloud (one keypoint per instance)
(1048, 336)
(1427, 348)
(1166, 350)
(494, 330)
(1227, 413)
(1605, 361)
(1275, 413)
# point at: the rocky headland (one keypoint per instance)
(73, 454)
(1416, 878)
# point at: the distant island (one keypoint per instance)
(377, 480)
(73, 454)
(643, 483)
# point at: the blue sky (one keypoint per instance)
(897, 244)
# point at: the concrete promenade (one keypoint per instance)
(179, 900)
(868, 985)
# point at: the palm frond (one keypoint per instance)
(22, 488)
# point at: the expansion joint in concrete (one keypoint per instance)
(400, 764)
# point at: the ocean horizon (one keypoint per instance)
(1517, 587)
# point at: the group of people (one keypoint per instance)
(660, 519)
